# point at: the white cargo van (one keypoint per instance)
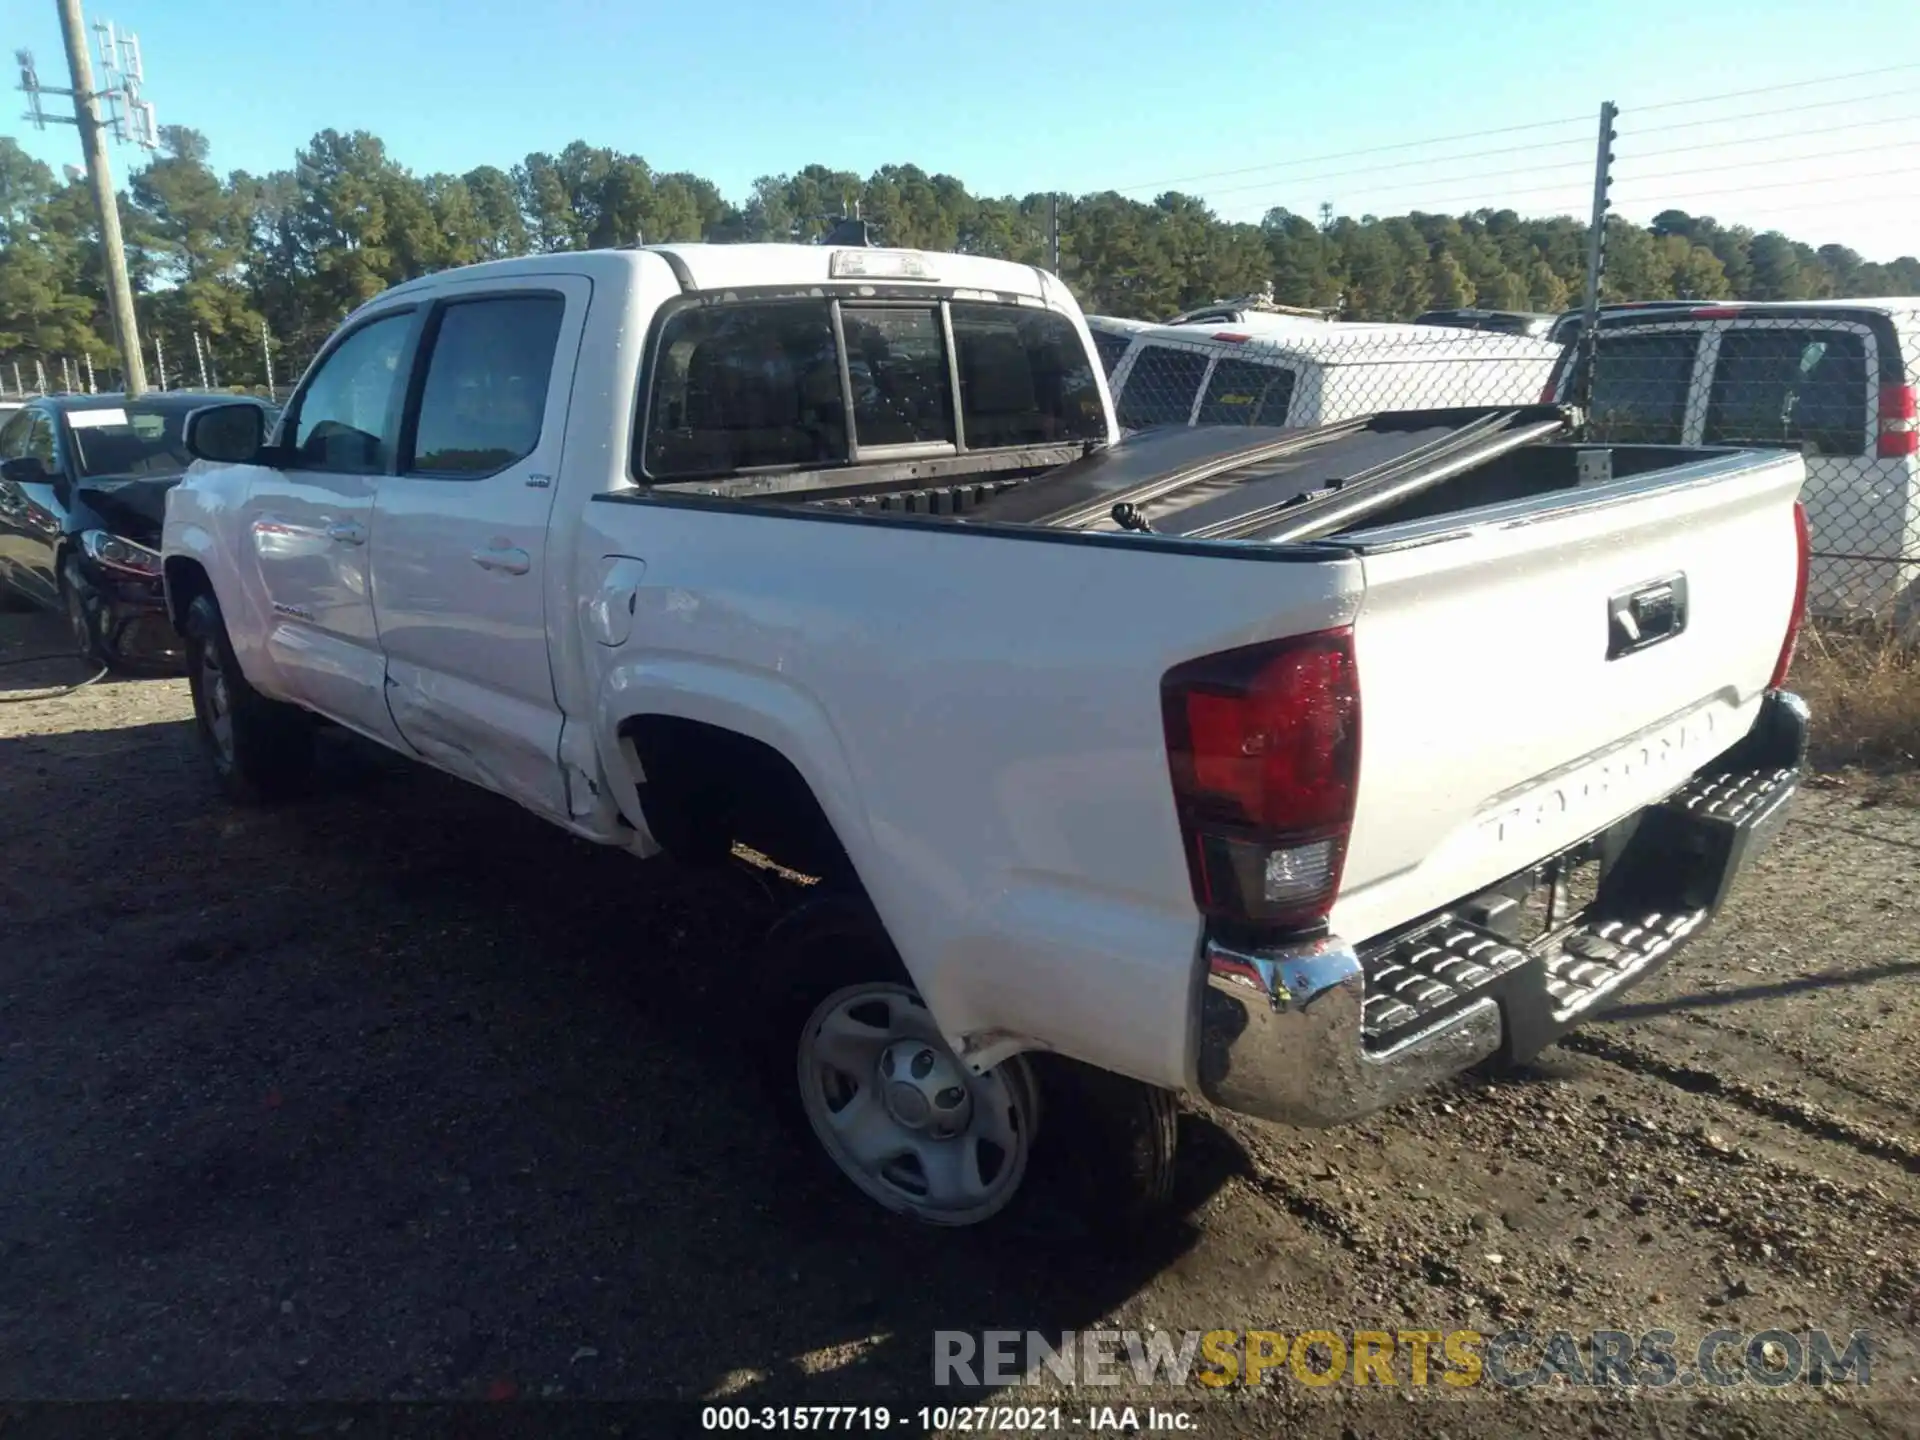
(1832, 378)
(1294, 372)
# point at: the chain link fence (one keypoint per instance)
(1834, 380)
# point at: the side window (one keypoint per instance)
(13, 435)
(340, 420)
(1110, 348)
(1160, 387)
(486, 385)
(1244, 393)
(742, 386)
(1779, 386)
(40, 441)
(1640, 386)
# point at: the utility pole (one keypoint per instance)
(1597, 250)
(92, 127)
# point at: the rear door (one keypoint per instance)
(459, 553)
(1507, 712)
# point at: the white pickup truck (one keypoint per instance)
(1292, 769)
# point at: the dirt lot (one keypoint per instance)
(401, 1094)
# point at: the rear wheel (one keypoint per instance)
(261, 750)
(890, 1106)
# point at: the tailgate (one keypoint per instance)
(1508, 711)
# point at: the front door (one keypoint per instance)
(309, 524)
(460, 563)
(33, 513)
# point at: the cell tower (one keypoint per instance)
(124, 114)
(114, 108)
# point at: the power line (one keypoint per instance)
(1353, 154)
(1776, 110)
(1571, 120)
(1787, 135)
(1772, 185)
(1773, 89)
(1412, 164)
(1768, 160)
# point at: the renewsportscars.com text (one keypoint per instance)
(1507, 1359)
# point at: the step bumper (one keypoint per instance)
(1322, 1032)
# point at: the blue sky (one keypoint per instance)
(1072, 95)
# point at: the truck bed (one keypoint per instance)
(1248, 483)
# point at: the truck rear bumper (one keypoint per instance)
(1323, 1032)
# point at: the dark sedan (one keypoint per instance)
(83, 493)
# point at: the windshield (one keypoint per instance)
(134, 440)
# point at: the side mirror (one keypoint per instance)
(229, 434)
(24, 470)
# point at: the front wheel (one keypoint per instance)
(261, 750)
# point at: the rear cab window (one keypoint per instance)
(1110, 348)
(1792, 385)
(1641, 385)
(1161, 386)
(798, 384)
(1244, 392)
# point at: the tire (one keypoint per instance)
(1113, 1146)
(80, 621)
(854, 1058)
(260, 749)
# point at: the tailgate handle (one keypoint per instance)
(1646, 615)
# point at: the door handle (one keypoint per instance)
(503, 557)
(347, 532)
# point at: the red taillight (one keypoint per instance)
(1232, 337)
(1899, 428)
(1264, 746)
(1803, 546)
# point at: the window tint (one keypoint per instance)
(1640, 387)
(40, 442)
(143, 440)
(1110, 348)
(1025, 378)
(739, 386)
(342, 418)
(13, 435)
(1243, 393)
(486, 386)
(1776, 386)
(897, 361)
(1160, 386)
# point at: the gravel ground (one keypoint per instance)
(401, 1094)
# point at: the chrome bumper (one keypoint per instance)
(1287, 1034)
(1281, 1040)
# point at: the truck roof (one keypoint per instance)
(722, 267)
(1343, 342)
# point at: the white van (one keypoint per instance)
(1296, 372)
(1832, 378)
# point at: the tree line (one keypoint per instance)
(295, 250)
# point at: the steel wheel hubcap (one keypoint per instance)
(902, 1117)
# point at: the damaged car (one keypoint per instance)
(83, 492)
